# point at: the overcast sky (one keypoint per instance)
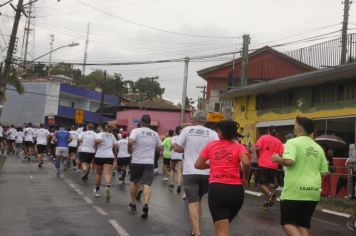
(114, 39)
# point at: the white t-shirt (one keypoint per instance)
(42, 136)
(105, 147)
(1, 132)
(87, 139)
(80, 130)
(145, 143)
(29, 134)
(11, 133)
(193, 139)
(73, 135)
(175, 155)
(19, 137)
(123, 148)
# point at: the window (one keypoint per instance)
(72, 104)
(278, 100)
(216, 107)
(329, 93)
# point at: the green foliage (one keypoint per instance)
(149, 87)
(15, 82)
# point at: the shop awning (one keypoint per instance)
(263, 124)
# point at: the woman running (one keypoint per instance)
(104, 159)
(226, 192)
(86, 150)
(176, 164)
(124, 158)
(19, 141)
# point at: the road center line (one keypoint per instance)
(100, 210)
(336, 213)
(326, 222)
(88, 200)
(118, 228)
(253, 193)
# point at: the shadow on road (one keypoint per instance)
(2, 161)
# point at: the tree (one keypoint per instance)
(149, 87)
(15, 82)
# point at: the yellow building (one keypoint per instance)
(328, 96)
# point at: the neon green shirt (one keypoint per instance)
(167, 146)
(302, 181)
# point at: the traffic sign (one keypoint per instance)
(79, 116)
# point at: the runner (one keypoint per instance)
(266, 146)
(19, 141)
(195, 182)
(167, 146)
(29, 133)
(73, 134)
(11, 137)
(306, 163)
(61, 138)
(176, 165)
(124, 157)
(86, 150)
(226, 192)
(2, 146)
(143, 143)
(104, 159)
(42, 141)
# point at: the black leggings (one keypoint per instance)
(225, 201)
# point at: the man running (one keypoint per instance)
(29, 133)
(191, 141)
(266, 146)
(305, 164)
(143, 143)
(11, 137)
(19, 141)
(73, 135)
(176, 164)
(2, 146)
(61, 138)
(167, 146)
(42, 135)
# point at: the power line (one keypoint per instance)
(151, 27)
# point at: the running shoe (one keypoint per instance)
(271, 198)
(179, 189)
(171, 187)
(132, 207)
(184, 197)
(107, 193)
(138, 195)
(28, 158)
(351, 225)
(155, 172)
(265, 205)
(58, 174)
(144, 214)
(96, 193)
(165, 179)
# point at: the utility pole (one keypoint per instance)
(102, 97)
(244, 60)
(184, 95)
(4, 77)
(86, 49)
(347, 4)
(51, 47)
(27, 30)
(203, 91)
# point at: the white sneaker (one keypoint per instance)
(184, 196)
(165, 179)
(96, 193)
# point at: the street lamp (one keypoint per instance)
(56, 49)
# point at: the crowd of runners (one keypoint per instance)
(196, 160)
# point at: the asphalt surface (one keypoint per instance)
(35, 202)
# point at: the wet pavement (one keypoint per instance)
(35, 202)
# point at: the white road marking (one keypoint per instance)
(88, 200)
(100, 210)
(78, 191)
(258, 194)
(118, 228)
(326, 222)
(72, 186)
(336, 213)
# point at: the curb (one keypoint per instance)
(326, 211)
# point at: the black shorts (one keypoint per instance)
(225, 200)
(41, 149)
(123, 161)
(11, 141)
(298, 213)
(167, 162)
(141, 173)
(266, 175)
(72, 150)
(28, 144)
(103, 161)
(86, 157)
(195, 187)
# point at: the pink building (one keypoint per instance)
(162, 121)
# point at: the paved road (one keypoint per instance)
(35, 202)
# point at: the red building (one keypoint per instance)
(263, 64)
